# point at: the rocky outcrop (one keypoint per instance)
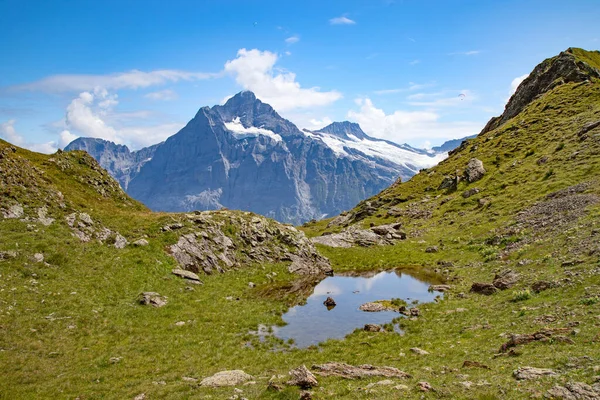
(565, 68)
(354, 372)
(214, 242)
(86, 229)
(152, 299)
(545, 335)
(574, 391)
(355, 236)
(302, 377)
(474, 170)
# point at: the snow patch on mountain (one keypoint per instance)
(241, 131)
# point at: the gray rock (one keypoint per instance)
(43, 217)
(355, 236)
(432, 249)
(120, 241)
(226, 378)
(302, 377)
(449, 183)
(574, 391)
(419, 351)
(186, 275)
(474, 170)
(470, 192)
(528, 373)
(439, 288)
(14, 211)
(153, 299)
(6, 255)
(372, 307)
(505, 279)
(483, 288)
(141, 242)
(38, 257)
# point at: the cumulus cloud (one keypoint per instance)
(516, 82)
(292, 39)
(123, 80)
(91, 115)
(162, 95)
(341, 21)
(408, 126)
(9, 133)
(254, 70)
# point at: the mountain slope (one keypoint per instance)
(243, 155)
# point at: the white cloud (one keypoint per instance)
(9, 133)
(411, 87)
(442, 99)
(341, 21)
(415, 62)
(254, 70)
(292, 39)
(408, 126)
(122, 80)
(516, 82)
(162, 95)
(91, 115)
(465, 53)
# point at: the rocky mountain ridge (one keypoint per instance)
(243, 155)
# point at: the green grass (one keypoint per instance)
(61, 323)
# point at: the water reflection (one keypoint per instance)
(312, 322)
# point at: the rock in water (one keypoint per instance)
(226, 378)
(329, 303)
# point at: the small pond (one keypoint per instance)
(313, 322)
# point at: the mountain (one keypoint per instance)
(243, 155)
(117, 159)
(451, 144)
(102, 298)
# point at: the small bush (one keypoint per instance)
(560, 147)
(521, 295)
(530, 152)
(590, 301)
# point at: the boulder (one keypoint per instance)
(470, 192)
(372, 307)
(529, 373)
(329, 302)
(372, 328)
(302, 377)
(449, 183)
(574, 391)
(153, 299)
(540, 286)
(120, 241)
(439, 288)
(483, 288)
(226, 378)
(432, 249)
(186, 275)
(474, 170)
(505, 279)
(140, 243)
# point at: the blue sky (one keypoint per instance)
(136, 71)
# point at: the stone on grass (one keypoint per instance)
(226, 378)
(419, 351)
(424, 386)
(575, 391)
(474, 170)
(529, 373)
(14, 211)
(302, 377)
(120, 241)
(38, 257)
(189, 275)
(361, 371)
(141, 242)
(153, 299)
(372, 328)
(483, 288)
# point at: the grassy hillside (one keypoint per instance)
(71, 325)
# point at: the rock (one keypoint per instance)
(361, 371)
(115, 360)
(574, 391)
(38, 257)
(449, 183)
(424, 386)
(188, 379)
(483, 288)
(419, 351)
(439, 288)
(13, 212)
(342, 219)
(187, 275)
(302, 377)
(180, 323)
(172, 227)
(542, 335)
(305, 395)
(43, 218)
(474, 364)
(355, 236)
(372, 328)
(372, 307)
(141, 396)
(505, 279)
(540, 286)
(414, 312)
(251, 285)
(474, 170)
(400, 387)
(152, 298)
(141, 243)
(432, 249)
(528, 373)
(329, 302)
(5, 255)
(226, 378)
(470, 192)
(120, 241)
(307, 266)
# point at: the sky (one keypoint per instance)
(135, 72)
